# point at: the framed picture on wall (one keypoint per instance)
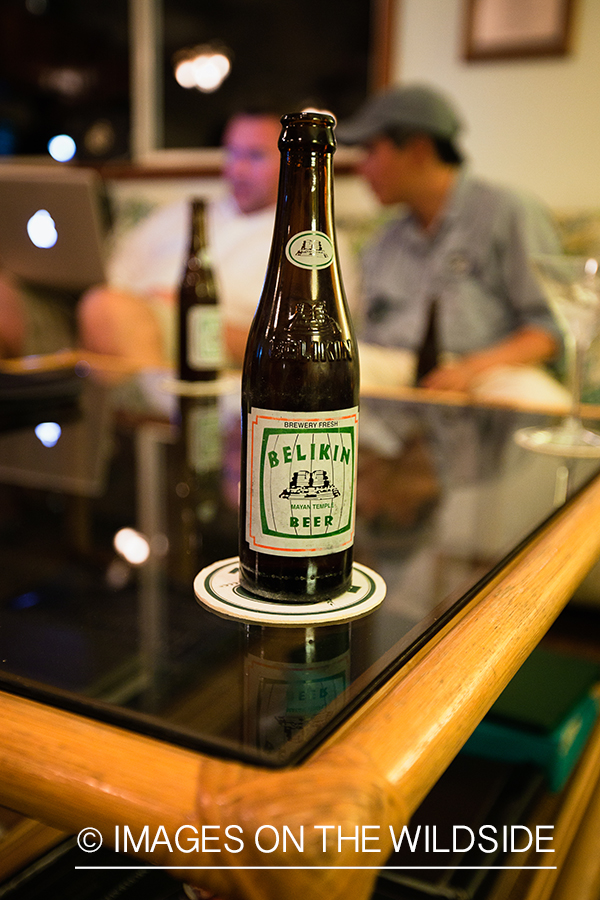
(510, 29)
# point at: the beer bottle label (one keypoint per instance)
(204, 337)
(310, 250)
(301, 480)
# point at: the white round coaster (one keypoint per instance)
(217, 587)
(222, 385)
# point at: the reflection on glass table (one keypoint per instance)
(87, 627)
(572, 288)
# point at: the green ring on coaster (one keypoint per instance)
(217, 587)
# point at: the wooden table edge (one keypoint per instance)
(72, 772)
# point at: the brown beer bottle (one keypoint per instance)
(200, 336)
(300, 391)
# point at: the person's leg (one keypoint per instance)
(121, 324)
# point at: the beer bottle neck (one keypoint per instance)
(198, 229)
(305, 193)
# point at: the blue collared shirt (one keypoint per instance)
(475, 264)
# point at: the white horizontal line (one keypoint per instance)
(300, 868)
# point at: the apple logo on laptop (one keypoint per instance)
(41, 229)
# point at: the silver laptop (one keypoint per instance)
(52, 232)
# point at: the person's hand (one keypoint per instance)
(235, 344)
(454, 376)
(528, 345)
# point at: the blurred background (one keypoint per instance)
(104, 72)
(81, 69)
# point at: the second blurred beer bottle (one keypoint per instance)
(300, 391)
(200, 333)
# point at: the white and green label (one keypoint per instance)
(310, 250)
(301, 481)
(204, 337)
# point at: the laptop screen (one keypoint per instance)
(52, 229)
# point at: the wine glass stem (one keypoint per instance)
(575, 355)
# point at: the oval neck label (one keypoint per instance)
(310, 250)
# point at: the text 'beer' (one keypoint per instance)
(300, 391)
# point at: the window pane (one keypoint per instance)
(64, 69)
(283, 55)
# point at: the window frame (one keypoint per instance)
(146, 129)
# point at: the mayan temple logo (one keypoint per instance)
(310, 485)
(312, 247)
(310, 250)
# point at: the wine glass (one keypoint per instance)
(571, 287)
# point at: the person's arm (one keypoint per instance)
(119, 323)
(528, 345)
(528, 230)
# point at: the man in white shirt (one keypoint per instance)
(133, 316)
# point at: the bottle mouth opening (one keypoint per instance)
(308, 129)
(309, 116)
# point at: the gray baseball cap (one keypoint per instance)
(415, 108)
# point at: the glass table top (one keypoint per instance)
(444, 498)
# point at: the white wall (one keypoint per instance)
(533, 123)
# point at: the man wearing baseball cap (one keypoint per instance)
(453, 266)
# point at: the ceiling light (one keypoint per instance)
(205, 67)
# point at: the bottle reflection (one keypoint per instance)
(291, 678)
(197, 484)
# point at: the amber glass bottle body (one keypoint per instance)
(300, 391)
